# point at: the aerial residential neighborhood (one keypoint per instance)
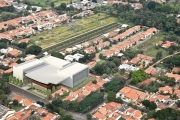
(89, 60)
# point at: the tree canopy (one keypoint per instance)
(34, 49)
(138, 76)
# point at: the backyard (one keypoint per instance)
(50, 37)
(149, 46)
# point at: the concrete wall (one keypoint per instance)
(18, 73)
(68, 82)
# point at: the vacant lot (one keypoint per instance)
(149, 46)
(50, 37)
(47, 3)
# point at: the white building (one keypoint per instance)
(128, 68)
(49, 71)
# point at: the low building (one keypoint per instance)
(132, 95)
(128, 68)
(5, 112)
(51, 71)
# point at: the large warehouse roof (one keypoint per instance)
(55, 61)
(29, 64)
(73, 68)
(46, 74)
(50, 69)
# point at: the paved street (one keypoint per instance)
(15, 90)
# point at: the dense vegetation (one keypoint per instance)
(165, 114)
(115, 84)
(88, 103)
(34, 49)
(107, 67)
(149, 105)
(173, 61)
(91, 101)
(138, 76)
(4, 89)
(131, 54)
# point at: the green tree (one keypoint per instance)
(158, 55)
(89, 117)
(61, 112)
(138, 76)
(17, 81)
(15, 102)
(52, 4)
(3, 45)
(10, 78)
(66, 117)
(22, 45)
(111, 96)
(34, 49)
(20, 83)
(48, 93)
(53, 89)
(57, 54)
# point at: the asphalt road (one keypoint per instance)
(26, 94)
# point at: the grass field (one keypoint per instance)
(149, 47)
(50, 37)
(47, 3)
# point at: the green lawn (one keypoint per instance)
(50, 37)
(149, 47)
(16, 108)
(47, 3)
(175, 6)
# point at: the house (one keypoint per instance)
(26, 40)
(26, 102)
(20, 7)
(71, 58)
(69, 50)
(81, 93)
(150, 70)
(5, 112)
(91, 64)
(90, 50)
(72, 96)
(175, 76)
(128, 68)
(107, 111)
(144, 59)
(128, 94)
(12, 65)
(51, 116)
(167, 44)
(14, 52)
(18, 98)
(108, 53)
(86, 44)
(10, 70)
(175, 70)
(162, 101)
(61, 91)
(166, 90)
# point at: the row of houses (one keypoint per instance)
(173, 74)
(115, 111)
(134, 96)
(30, 107)
(81, 93)
(26, 26)
(116, 49)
